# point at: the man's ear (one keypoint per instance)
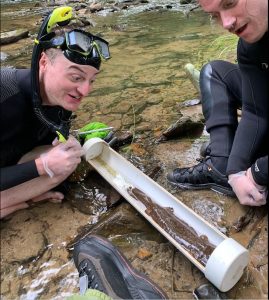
(43, 61)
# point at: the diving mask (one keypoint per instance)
(78, 46)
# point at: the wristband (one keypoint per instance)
(44, 160)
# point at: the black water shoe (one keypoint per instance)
(103, 267)
(201, 176)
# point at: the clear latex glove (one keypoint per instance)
(63, 158)
(245, 190)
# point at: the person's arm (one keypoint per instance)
(252, 132)
(251, 186)
(259, 171)
(61, 160)
(17, 174)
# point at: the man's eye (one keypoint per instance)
(76, 78)
(229, 4)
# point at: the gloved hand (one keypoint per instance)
(245, 190)
(63, 158)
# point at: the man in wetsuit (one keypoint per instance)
(236, 160)
(33, 162)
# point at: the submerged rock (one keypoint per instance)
(93, 195)
(183, 127)
(191, 102)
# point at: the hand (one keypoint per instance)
(260, 188)
(245, 190)
(63, 158)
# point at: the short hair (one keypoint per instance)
(52, 53)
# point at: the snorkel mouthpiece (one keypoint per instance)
(60, 16)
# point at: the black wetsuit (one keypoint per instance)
(21, 130)
(224, 88)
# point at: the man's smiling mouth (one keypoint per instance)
(75, 97)
(240, 30)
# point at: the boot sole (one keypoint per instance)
(212, 186)
(126, 269)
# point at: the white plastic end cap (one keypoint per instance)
(226, 264)
(93, 148)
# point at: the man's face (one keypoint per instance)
(64, 83)
(247, 19)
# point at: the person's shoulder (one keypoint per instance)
(256, 53)
(24, 81)
(14, 81)
(14, 74)
(9, 84)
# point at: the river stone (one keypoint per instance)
(16, 246)
(13, 36)
(185, 126)
(118, 224)
(190, 102)
(3, 56)
(94, 7)
(93, 195)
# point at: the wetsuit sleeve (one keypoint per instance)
(259, 171)
(17, 174)
(250, 142)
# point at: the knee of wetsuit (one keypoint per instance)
(205, 88)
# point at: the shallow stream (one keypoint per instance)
(139, 90)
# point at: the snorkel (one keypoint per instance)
(61, 16)
(78, 46)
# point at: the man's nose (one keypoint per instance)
(228, 20)
(85, 88)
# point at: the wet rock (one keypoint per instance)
(94, 7)
(121, 139)
(81, 171)
(184, 275)
(242, 221)
(85, 20)
(143, 127)
(80, 6)
(130, 120)
(56, 2)
(122, 222)
(208, 291)
(124, 138)
(153, 171)
(143, 253)
(123, 107)
(16, 246)
(13, 36)
(191, 102)
(184, 127)
(3, 56)
(93, 195)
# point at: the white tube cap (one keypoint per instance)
(226, 264)
(93, 148)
